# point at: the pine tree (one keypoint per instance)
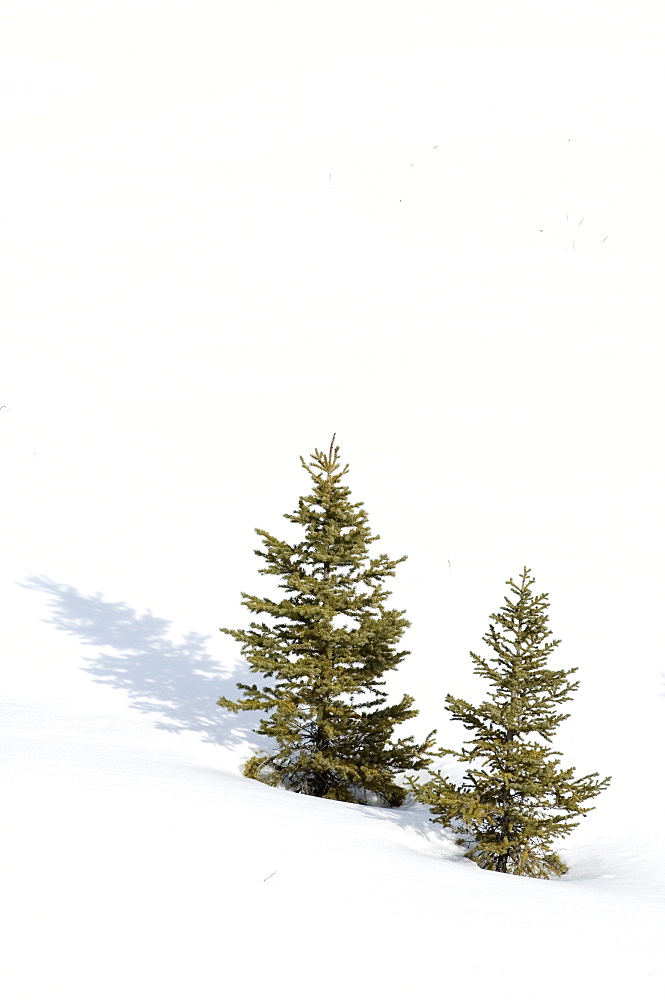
(330, 643)
(515, 799)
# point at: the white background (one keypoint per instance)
(229, 230)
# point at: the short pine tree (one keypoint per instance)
(326, 708)
(516, 800)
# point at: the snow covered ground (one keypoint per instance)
(137, 862)
(228, 231)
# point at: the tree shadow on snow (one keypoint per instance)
(178, 682)
(175, 680)
(415, 818)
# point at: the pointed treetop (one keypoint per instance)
(328, 464)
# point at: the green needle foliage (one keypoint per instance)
(330, 642)
(515, 799)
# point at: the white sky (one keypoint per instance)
(225, 233)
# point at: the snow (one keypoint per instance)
(215, 254)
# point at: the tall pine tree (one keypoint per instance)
(330, 643)
(515, 799)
